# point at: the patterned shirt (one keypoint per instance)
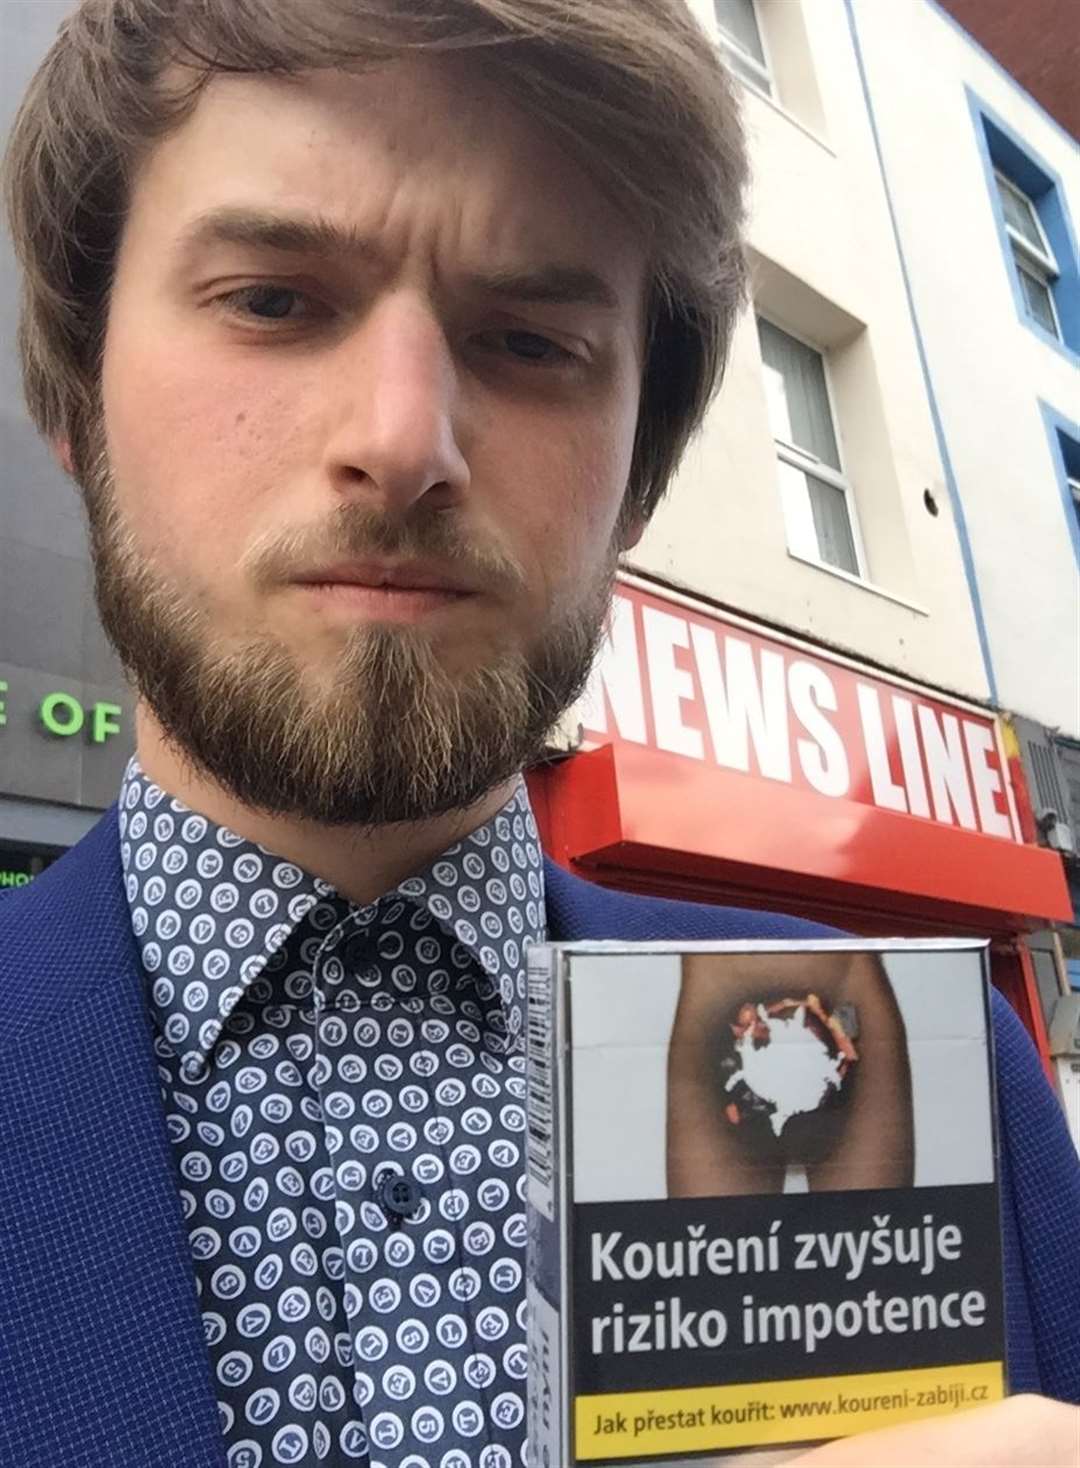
(344, 1087)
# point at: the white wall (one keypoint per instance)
(826, 267)
(987, 368)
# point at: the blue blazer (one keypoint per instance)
(102, 1359)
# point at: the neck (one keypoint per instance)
(360, 862)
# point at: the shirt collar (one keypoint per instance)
(210, 908)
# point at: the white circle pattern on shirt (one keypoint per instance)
(305, 1045)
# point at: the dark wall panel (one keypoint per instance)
(50, 638)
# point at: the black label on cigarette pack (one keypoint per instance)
(689, 1292)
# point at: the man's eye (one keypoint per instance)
(530, 347)
(268, 303)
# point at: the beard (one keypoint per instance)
(391, 730)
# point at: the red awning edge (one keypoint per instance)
(632, 808)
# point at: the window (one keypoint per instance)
(1070, 460)
(815, 494)
(1035, 264)
(741, 38)
(1064, 439)
(1036, 231)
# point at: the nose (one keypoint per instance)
(395, 438)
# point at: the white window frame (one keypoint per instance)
(763, 73)
(809, 463)
(1039, 263)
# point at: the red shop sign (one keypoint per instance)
(729, 743)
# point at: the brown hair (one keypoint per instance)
(633, 87)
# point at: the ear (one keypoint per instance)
(61, 450)
(631, 531)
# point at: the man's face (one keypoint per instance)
(370, 385)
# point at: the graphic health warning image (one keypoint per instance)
(762, 1195)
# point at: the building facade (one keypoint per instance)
(809, 500)
(985, 188)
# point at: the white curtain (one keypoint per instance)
(798, 398)
(833, 525)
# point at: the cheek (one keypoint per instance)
(574, 504)
(191, 450)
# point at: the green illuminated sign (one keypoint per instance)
(63, 715)
(19, 868)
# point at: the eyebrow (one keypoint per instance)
(294, 234)
(549, 284)
(553, 285)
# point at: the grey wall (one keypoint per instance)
(50, 638)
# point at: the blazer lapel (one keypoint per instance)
(107, 1360)
(578, 911)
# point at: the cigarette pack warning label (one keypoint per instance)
(765, 1208)
(763, 1414)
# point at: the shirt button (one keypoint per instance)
(397, 1195)
(359, 952)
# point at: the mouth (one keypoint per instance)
(397, 593)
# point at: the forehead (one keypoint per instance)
(425, 153)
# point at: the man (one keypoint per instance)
(372, 333)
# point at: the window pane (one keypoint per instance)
(796, 393)
(1037, 297)
(836, 544)
(757, 76)
(1074, 490)
(1020, 214)
(736, 19)
(798, 516)
(816, 519)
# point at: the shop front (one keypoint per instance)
(19, 865)
(724, 762)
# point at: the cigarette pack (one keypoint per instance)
(762, 1195)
